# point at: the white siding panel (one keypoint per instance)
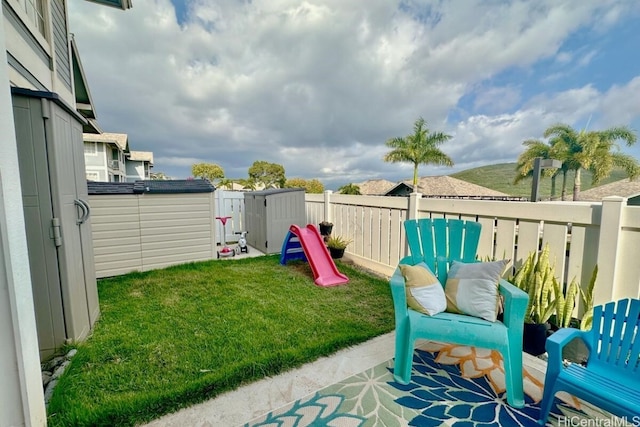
(116, 234)
(160, 238)
(129, 218)
(143, 232)
(175, 229)
(170, 230)
(148, 248)
(126, 240)
(149, 212)
(114, 226)
(126, 256)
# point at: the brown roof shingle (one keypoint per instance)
(375, 187)
(622, 188)
(449, 186)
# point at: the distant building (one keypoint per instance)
(138, 165)
(447, 187)
(623, 188)
(375, 187)
(107, 158)
(432, 186)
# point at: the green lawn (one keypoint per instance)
(170, 338)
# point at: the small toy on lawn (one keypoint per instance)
(242, 242)
(226, 251)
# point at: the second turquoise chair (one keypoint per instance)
(438, 243)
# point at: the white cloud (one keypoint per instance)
(319, 85)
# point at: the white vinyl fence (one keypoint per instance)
(580, 235)
(143, 232)
(230, 204)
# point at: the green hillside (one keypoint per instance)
(500, 178)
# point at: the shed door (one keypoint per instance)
(69, 192)
(38, 213)
(51, 160)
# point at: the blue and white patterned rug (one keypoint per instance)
(451, 386)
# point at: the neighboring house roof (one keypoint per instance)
(141, 156)
(84, 102)
(118, 4)
(375, 187)
(152, 186)
(120, 139)
(446, 186)
(622, 188)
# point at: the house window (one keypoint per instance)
(35, 13)
(90, 148)
(92, 176)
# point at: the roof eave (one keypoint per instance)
(118, 4)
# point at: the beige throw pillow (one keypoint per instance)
(473, 288)
(424, 292)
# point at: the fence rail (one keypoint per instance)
(143, 232)
(580, 235)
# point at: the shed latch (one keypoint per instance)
(56, 235)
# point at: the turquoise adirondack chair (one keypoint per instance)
(611, 377)
(438, 243)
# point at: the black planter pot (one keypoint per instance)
(535, 338)
(325, 229)
(336, 253)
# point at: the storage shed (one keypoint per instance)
(145, 225)
(270, 213)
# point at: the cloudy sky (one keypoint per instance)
(318, 86)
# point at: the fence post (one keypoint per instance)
(608, 250)
(327, 206)
(412, 209)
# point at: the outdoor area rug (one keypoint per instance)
(450, 386)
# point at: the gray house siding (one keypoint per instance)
(59, 25)
(135, 170)
(16, 65)
(26, 35)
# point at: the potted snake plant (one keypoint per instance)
(337, 246)
(536, 277)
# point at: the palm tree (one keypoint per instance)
(537, 148)
(419, 148)
(248, 184)
(596, 151)
(349, 189)
(226, 183)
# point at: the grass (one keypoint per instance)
(170, 338)
(500, 177)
